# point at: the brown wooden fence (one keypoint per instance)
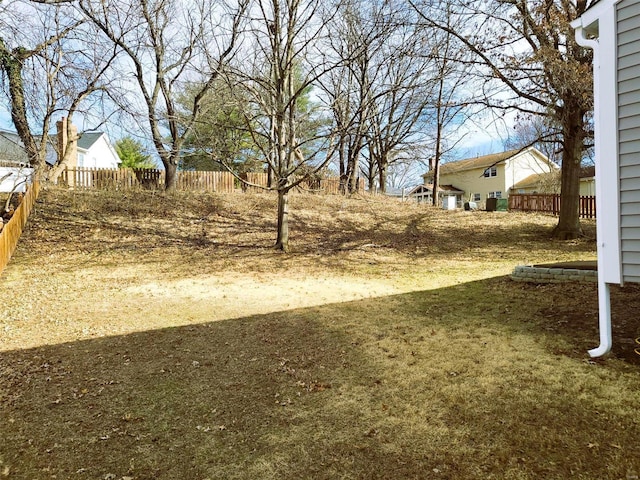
(549, 203)
(125, 179)
(12, 230)
(330, 185)
(220, 182)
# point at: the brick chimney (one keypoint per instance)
(65, 132)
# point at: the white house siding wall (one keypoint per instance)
(587, 187)
(509, 172)
(628, 45)
(522, 166)
(18, 180)
(474, 181)
(100, 155)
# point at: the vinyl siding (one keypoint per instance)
(628, 40)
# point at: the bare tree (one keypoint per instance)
(280, 68)
(358, 34)
(50, 68)
(167, 44)
(402, 91)
(380, 93)
(528, 49)
(534, 131)
(449, 106)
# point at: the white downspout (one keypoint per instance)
(604, 297)
(604, 318)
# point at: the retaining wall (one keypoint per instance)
(553, 275)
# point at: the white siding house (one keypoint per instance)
(95, 151)
(491, 176)
(15, 173)
(89, 150)
(612, 29)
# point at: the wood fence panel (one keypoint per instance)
(220, 182)
(255, 178)
(12, 230)
(549, 203)
(331, 185)
(588, 207)
(149, 178)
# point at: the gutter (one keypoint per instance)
(604, 294)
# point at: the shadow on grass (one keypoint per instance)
(481, 380)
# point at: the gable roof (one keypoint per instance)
(87, 139)
(531, 181)
(447, 189)
(484, 162)
(587, 172)
(11, 150)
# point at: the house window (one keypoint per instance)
(494, 195)
(476, 197)
(491, 172)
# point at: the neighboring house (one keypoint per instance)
(490, 176)
(588, 181)
(15, 173)
(424, 193)
(90, 150)
(612, 29)
(550, 183)
(539, 183)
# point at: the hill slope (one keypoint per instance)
(85, 250)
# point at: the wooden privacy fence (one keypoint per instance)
(12, 230)
(329, 185)
(126, 179)
(219, 182)
(549, 203)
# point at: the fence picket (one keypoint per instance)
(219, 182)
(12, 230)
(549, 203)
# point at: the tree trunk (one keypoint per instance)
(382, 174)
(436, 183)
(436, 158)
(12, 67)
(568, 227)
(371, 175)
(352, 171)
(171, 177)
(282, 242)
(54, 173)
(342, 165)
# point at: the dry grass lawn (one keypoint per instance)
(149, 336)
